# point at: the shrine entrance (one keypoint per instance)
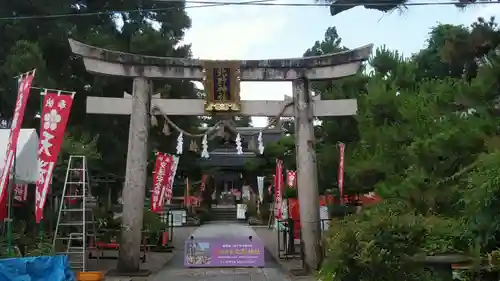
(222, 84)
(228, 183)
(226, 194)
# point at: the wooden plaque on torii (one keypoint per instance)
(222, 86)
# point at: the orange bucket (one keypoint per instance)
(90, 276)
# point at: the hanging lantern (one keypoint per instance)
(251, 144)
(154, 121)
(220, 131)
(278, 123)
(193, 146)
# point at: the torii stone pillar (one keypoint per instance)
(135, 176)
(298, 70)
(307, 176)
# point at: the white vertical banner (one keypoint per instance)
(284, 209)
(170, 185)
(246, 192)
(260, 186)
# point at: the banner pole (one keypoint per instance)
(9, 204)
(10, 187)
(41, 233)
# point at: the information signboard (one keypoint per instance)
(223, 253)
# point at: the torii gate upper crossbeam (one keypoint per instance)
(108, 62)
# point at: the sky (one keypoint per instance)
(267, 32)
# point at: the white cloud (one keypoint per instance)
(239, 32)
(264, 91)
(232, 31)
(232, 40)
(488, 10)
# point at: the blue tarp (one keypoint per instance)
(45, 268)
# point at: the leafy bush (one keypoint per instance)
(340, 211)
(381, 242)
(481, 198)
(152, 222)
(445, 235)
(290, 193)
(374, 248)
(25, 245)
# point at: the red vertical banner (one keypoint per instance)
(294, 214)
(202, 188)
(171, 163)
(203, 182)
(341, 171)
(161, 178)
(55, 113)
(278, 189)
(187, 202)
(3, 208)
(291, 178)
(23, 92)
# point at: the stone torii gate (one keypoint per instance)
(144, 68)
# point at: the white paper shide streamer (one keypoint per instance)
(261, 143)
(204, 144)
(239, 148)
(260, 187)
(180, 144)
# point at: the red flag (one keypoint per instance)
(55, 113)
(341, 172)
(278, 192)
(370, 199)
(203, 180)
(186, 198)
(235, 192)
(291, 178)
(3, 207)
(161, 178)
(23, 92)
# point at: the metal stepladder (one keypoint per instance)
(75, 231)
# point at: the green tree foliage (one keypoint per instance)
(328, 131)
(425, 139)
(43, 44)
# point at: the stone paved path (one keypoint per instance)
(175, 270)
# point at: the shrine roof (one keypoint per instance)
(226, 158)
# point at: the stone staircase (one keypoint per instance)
(223, 213)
